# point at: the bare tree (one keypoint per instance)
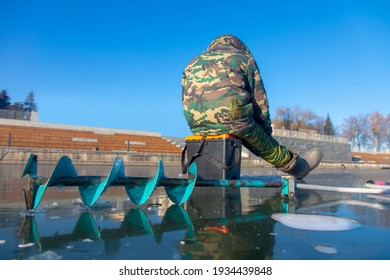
(283, 118)
(297, 119)
(318, 124)
(355, 129)
(303, 119)
(387, 137)
(348, 130)
(379, 127)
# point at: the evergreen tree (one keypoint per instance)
(4, 99)
(328, 127)
(29, 103)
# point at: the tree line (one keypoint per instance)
(370, 130)
(29, 104)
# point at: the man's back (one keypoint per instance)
(214, 84)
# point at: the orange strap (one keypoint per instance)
(208, 137)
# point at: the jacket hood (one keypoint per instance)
(226, 42)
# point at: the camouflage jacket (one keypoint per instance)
(222, 90)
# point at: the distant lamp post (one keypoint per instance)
(9, 139)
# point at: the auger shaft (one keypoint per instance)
(265, 181)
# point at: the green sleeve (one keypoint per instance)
(261, 113)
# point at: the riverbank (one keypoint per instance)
(9, 156)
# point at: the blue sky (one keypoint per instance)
(118, 64)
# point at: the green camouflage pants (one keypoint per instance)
(265, 146)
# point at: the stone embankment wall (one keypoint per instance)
(333, 151)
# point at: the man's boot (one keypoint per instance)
(299, 167)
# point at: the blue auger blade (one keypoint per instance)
(64, 168)
(31, 166)
(90, 194)
(86, 227)
(175, 219)
(180, 194)
(137, 221)
(140, 192)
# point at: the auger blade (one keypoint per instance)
(63, 168)
(31, 166)
(140, 192)
(86, 227)
(175, 219)
(137, 221)
(180, 194)
(90, 194)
